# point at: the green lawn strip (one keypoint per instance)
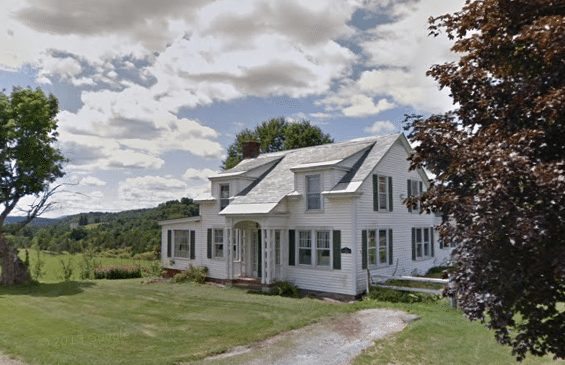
(127, 322)
(441, 336)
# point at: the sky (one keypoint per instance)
(152, 92)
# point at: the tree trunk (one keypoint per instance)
(14, 271)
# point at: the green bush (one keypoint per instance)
(119, 253)
(117, 272)
(194, 274)
(398, 296)
(285, 289)
(88, 265)
(153, 270)
(38, 267)
(67, 268)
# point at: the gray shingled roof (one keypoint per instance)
(279, 181)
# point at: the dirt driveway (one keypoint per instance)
(331, 342)
(5, 360)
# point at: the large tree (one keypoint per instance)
(29, 163)
(499, 161)
(274, 135)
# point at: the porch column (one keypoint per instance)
(268, 258)
(228, 253)
(284, 253)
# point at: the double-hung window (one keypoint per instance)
(313, 192)
(305, 247)
(422, 243)
(323, 249)
(378, 247)
(218, 243)
(224, 195)
(382, 193)
(414, 189)
(182, 243)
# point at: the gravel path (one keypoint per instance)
(333, 342)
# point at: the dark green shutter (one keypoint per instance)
(337, 249)
(421, 191)
(432, 240)
(209, 245)
(291, 247)
(192, 245)
(390, 247)
(414, 244)
(169, 242)
(375, 193)
(364, 249)
(259, 253)
(409, 193)
(390, 198)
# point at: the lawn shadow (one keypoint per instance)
(60, 289)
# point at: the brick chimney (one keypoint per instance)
(251, 149)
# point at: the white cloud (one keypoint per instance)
(151, 190)
(196, 175)
(381, 127)
(92, 181)
(362, 105)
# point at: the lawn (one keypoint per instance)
(129, 322)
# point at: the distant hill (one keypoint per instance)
(135, 231)
(36, 222)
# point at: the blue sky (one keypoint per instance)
(152, 93)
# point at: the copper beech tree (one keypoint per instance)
(29, 163)
(499, 161)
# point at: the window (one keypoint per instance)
(304, 247)
(182, 243)
(383, 197)
(382, 193)
(378, 246)
(224, 195)
(277, 247)
(313, 192)
(218, 243)
(323, 252)
(415, 189)
(372, 248)
(422, 243)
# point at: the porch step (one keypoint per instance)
(247, 283)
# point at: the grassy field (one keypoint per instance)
(53, 271)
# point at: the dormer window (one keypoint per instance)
(224, 195)
(313, 192)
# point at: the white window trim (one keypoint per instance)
(174, 248)
(376, 230)
(214, 256)
(417, 183)
(313, 248)
(220, 199)
(317, 210)
(423, 257)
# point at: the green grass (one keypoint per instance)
(127, 322)
(441, 336)
(52, 268)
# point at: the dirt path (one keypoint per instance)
(334, 342)
(5, 360)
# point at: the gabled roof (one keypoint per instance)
(278, 182)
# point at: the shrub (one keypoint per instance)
(88, 265)
(120, 253)
(194, 274)
(153, 270)
(37, 269)
(115, 272)
(397, 296)
(285, 289)
(67, 268)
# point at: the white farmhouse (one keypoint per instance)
(319, 217)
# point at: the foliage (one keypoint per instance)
(124, 234)
(285, 289)
(153, 270)
(194, 274)
(116, 272)
(37, 266)
(29, 163)
(397, 296)
(499, 162)
(276, 135)
(67, 268)
(88, 264)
